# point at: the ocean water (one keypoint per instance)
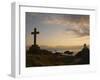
(75, 50)
(62, 49)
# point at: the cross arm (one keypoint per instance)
(34, 32)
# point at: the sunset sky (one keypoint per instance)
(57, 29)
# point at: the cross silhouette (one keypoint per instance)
(35, 34)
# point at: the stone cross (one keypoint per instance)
(35, 35)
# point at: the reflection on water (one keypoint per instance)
(62, 50)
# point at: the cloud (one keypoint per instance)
(78, 24)
(79, 29)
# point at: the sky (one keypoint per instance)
(57, 29)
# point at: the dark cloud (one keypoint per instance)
(79, 25)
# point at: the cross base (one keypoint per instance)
(34, 49)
